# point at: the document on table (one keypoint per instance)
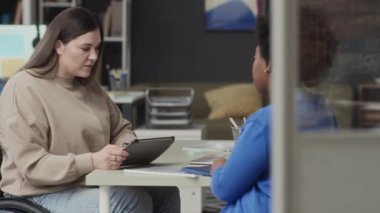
(210, 147)
(170, 170)
(198, 170)
(205, 160)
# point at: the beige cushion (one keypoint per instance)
(237, 100)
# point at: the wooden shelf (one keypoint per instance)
(58, 4)
(113, 39)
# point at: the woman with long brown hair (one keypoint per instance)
(57, 125)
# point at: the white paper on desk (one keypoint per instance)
(205, 160)
(210, 147)
(159, 170)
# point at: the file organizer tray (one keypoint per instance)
(169, 107)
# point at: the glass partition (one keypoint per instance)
(339, 64)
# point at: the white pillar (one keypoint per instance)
(26, 12)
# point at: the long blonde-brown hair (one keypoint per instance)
(65, 27)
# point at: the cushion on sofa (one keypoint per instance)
(237, 100)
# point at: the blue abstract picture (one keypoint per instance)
(231, 14)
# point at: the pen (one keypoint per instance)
(233, 123)
(127, 145)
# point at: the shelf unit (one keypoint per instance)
(58, 5)
(121, 42)
(369, 109)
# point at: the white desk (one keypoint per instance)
(175, 154)
(190, 196)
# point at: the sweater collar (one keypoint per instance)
(67, 83)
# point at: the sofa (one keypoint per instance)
(215, 102)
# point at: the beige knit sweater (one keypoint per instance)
(48, 129)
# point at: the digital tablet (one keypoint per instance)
(144, 151)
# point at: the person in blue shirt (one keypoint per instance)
(244, 180)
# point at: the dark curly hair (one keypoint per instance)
(317, 45)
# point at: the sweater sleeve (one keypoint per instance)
(25, 139)
(121, 129)
(248, 160)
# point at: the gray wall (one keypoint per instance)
(170, 43)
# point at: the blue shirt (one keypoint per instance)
(244, 181)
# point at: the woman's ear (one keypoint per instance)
(267, 68)
(59, 47)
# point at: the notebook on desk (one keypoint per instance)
(152, 169)
(206, 160)
(145, 151)
(169, 170)
(197, 170)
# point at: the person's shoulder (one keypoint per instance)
(23, 78)
(16, 90)
(261, 117)
(263, 112)
(22, 83)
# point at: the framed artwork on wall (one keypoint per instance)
(232, 14)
